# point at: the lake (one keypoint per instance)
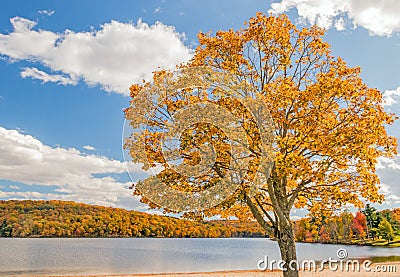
(74, 256)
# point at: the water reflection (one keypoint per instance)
(153, 255)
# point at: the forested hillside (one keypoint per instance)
(366, 227)
(27, 218)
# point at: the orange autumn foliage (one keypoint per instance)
(329, 126)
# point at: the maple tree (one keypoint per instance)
(396, 214)
(328, 127)
(359, 225)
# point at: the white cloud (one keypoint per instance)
(27, 160)
(158, 10)
(391, 199)
(389, 173)
(384, 162)
(379, 17)
(34, 73)
(391, 97)
(47, 12)
(89, 147)
(340, 24)
(114, 57)
(29, 195)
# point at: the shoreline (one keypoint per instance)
(397, 243)
(376, 269)
(390, 245)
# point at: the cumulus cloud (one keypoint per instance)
(76, 176)
(114, 57)
(89, 147)
(379, 17)
(391, 97)
(47, 12)
(384, 162)
(391, 199)
(14, 187)
(34, 73)
(389, 173)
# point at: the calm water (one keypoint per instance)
(153, 255)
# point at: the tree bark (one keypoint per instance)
(287, 246)
(283, 232)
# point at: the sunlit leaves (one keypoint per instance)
(329, 125)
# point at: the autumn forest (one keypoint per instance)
(54, 218)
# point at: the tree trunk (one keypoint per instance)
(284, 236)
(287, 247)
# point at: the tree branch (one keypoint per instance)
(258, 216)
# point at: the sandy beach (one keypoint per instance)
(377, 269)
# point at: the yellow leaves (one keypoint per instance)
(329, 125)
(301, 202)
(239, 211)
(134, 90)
(173, 106)
(226, 47)
(158, 75)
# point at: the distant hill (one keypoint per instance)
(29, 218)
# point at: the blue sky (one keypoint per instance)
(66, 66)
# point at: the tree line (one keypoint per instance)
(28, 218)
(366, 226)
(53, 218)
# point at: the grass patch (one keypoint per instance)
(379, 242)
(384, 259)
